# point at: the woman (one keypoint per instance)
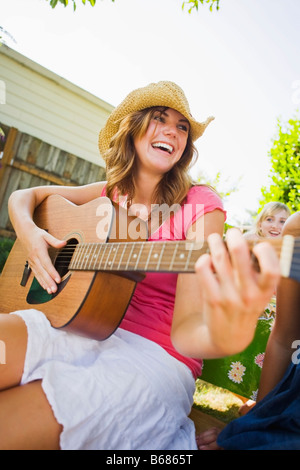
(270, 221)
(134, 390)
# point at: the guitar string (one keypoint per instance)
(87, 250)
(66, 254)
(87, 246)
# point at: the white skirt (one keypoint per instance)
(124, 393)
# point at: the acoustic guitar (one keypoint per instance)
(106, 254)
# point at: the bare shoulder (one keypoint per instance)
(292, 225)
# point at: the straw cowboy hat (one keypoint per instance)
(163, 93)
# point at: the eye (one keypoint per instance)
(183, 127)
(159, 118)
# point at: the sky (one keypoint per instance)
(240, 64)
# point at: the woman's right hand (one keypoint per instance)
(36, 243)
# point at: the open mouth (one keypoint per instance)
(274, 234)
(164, 147)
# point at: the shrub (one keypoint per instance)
(5, 247)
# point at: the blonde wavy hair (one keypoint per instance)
(271, 208)
(121, 157)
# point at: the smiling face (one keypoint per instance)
(272, 225)
(163, 144)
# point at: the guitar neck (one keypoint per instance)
(171, 256)
(177, 256)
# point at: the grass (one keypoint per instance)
(215, 401)
(5, 247)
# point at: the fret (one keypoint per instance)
(173, 257)
(121, 257)
(149, 255)
(152, 262)
(115, 249)
(188, 259)
(85, 256)
(128, 260)
(135, 255)
(108, 262)
(139, 256)
(103, 249)
(161, 255)
(181, 260)
(94, 255)
(79, 256)
(73, 263)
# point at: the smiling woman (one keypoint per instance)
(115, 394)
(270, 221)
(164, 142)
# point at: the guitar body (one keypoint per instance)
(89, 303)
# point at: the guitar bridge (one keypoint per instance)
(26, 274)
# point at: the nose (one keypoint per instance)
(170, 129)
(276, 226)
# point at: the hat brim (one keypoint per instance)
(156, 94)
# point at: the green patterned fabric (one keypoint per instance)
(241, 372)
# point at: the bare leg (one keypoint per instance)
(13, 335)
(26, 417)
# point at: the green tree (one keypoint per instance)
(285, 171)
(53, 3)
(195, 4)
(190, 3)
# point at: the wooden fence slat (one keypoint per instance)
(8, 153)
(28, 161)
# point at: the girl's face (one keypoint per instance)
(163, 143)
(272, 225)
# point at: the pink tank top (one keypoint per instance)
(150, 311)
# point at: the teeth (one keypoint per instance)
(163, 146)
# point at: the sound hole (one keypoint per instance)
(36, 294)
(63, 258)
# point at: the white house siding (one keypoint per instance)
(44, 105)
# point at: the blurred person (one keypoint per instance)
(274, 422)
(269, 222)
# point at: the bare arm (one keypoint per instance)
(221, 318)
(22, 204)
(287, 324)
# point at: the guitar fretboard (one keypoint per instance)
(171, 256)
(138, 256)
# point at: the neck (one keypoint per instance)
(145, 186)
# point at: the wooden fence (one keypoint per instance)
(28, 161)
